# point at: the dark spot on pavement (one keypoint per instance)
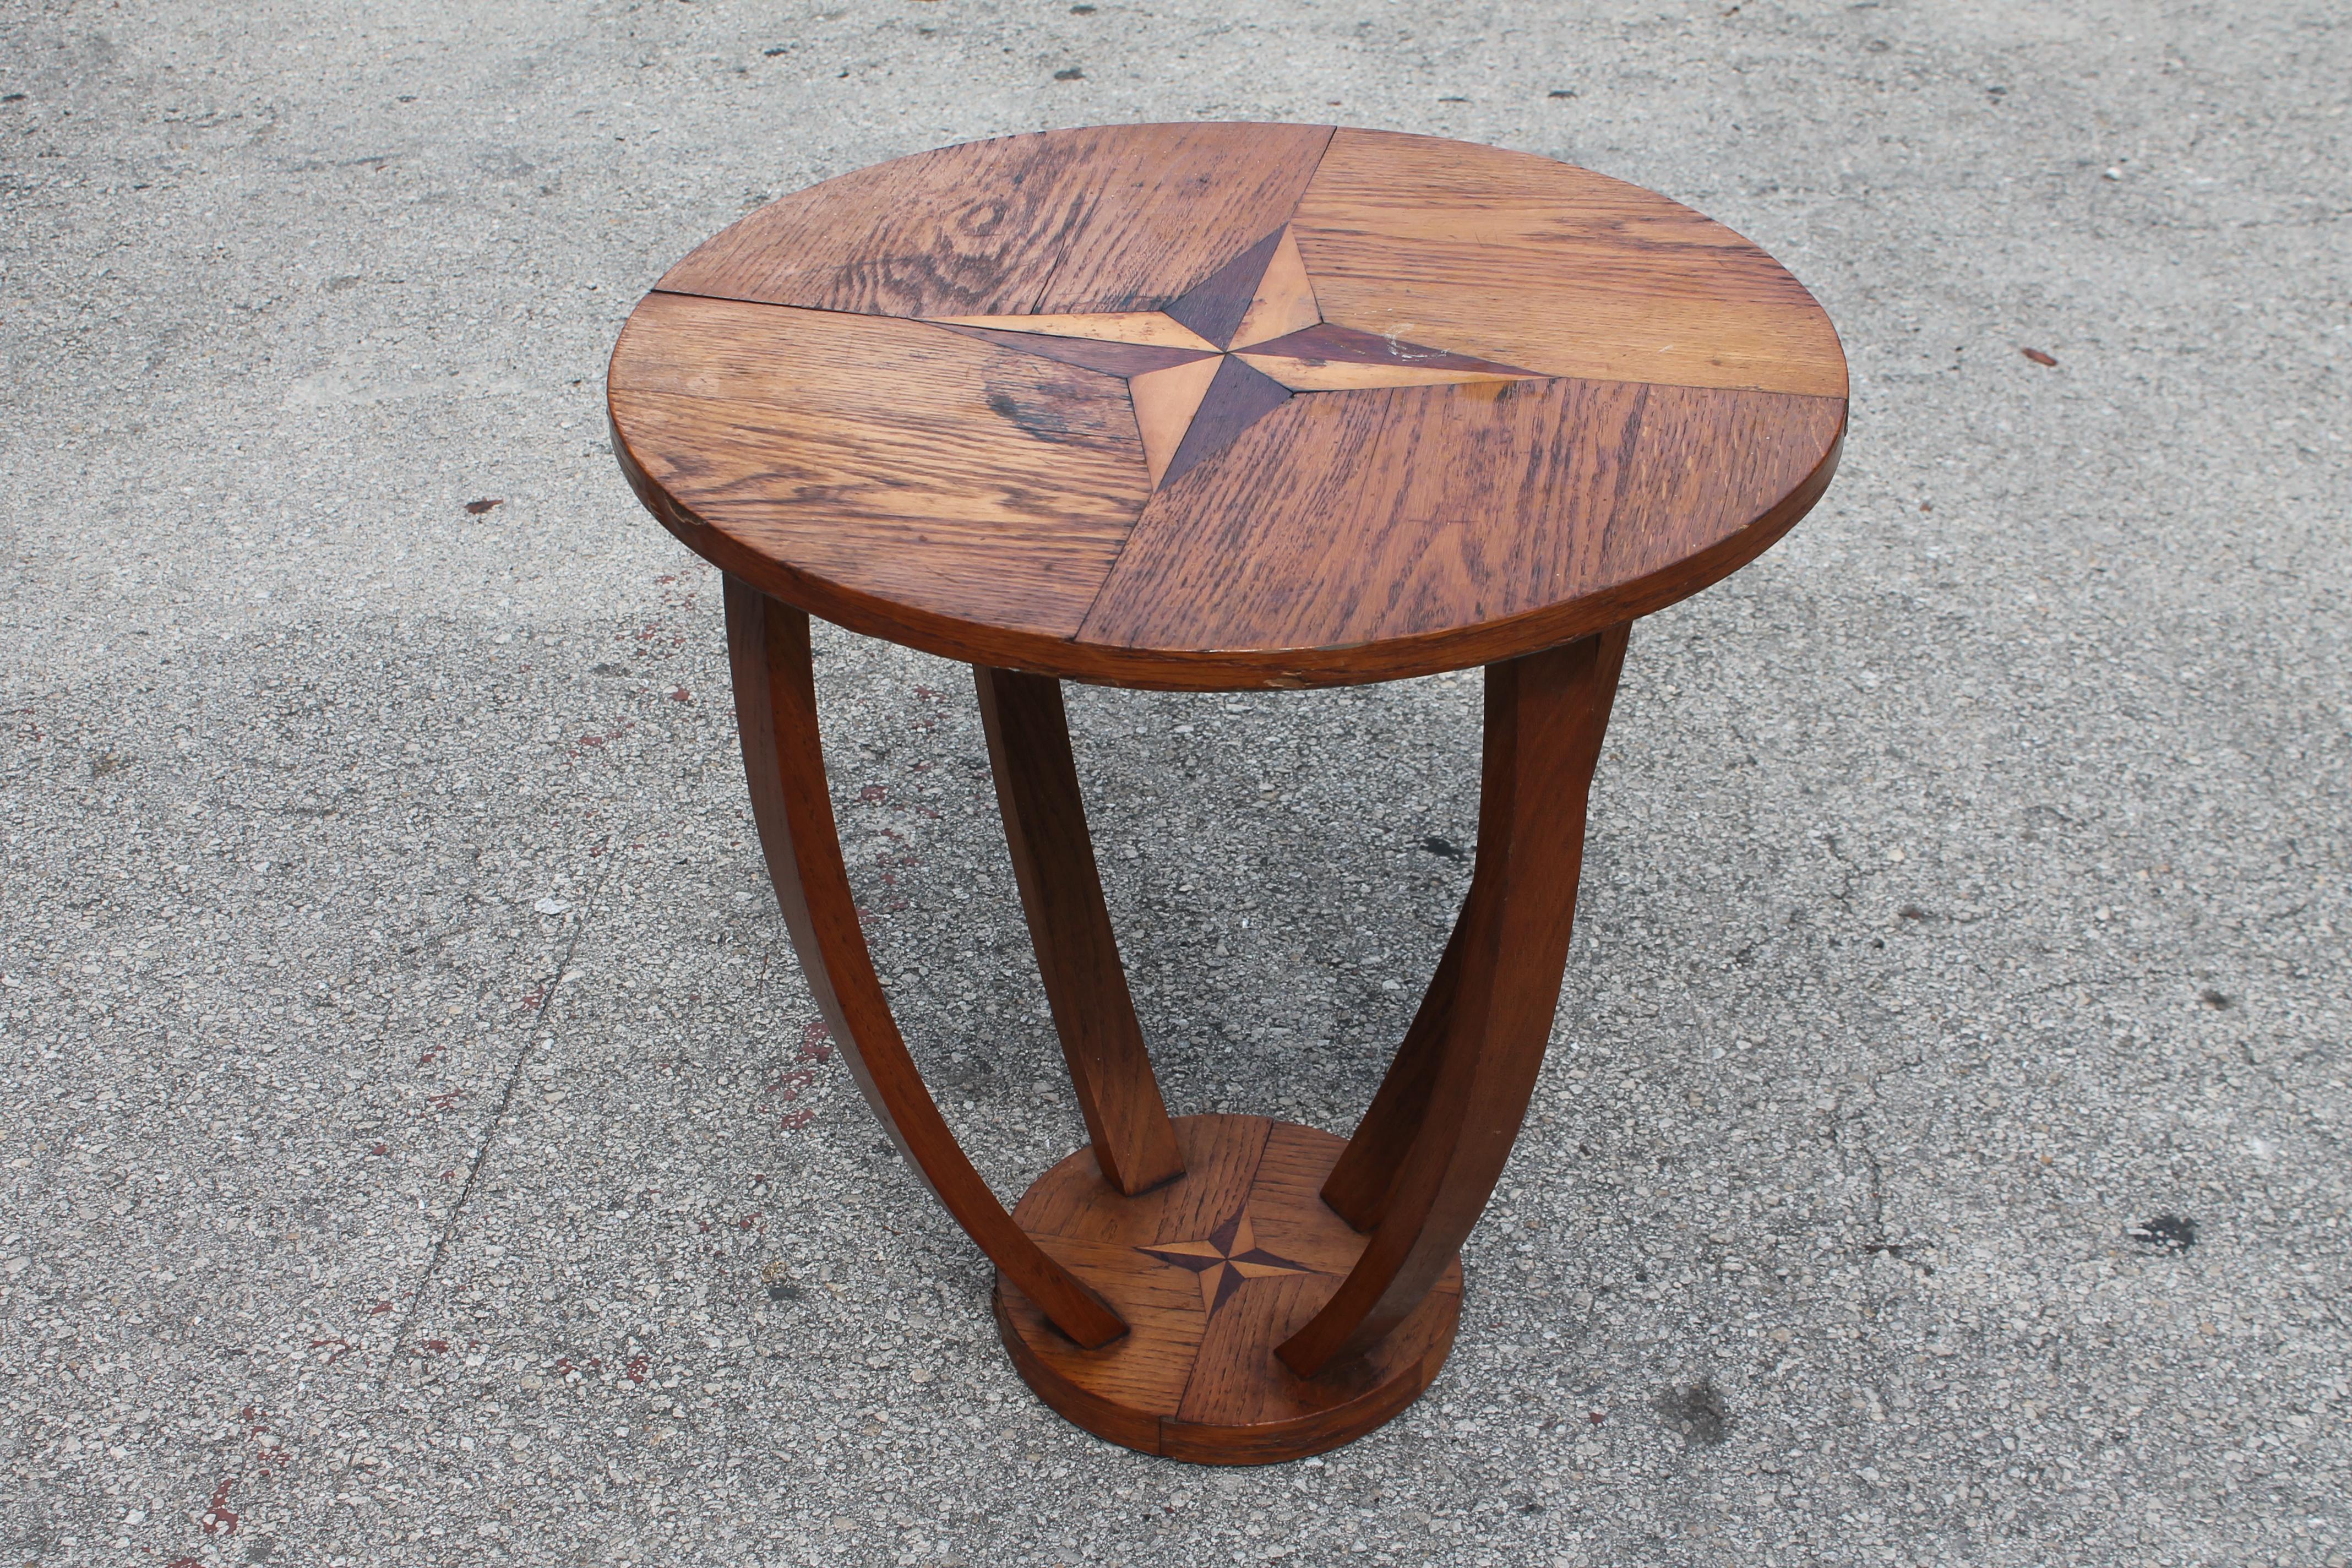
(478, 507)
(1696, 1410)
(1072, 74)
(1446, 847)
(784, 1290)
(2165, 1233)
(2213, 998)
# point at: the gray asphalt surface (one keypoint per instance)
(412, 1145)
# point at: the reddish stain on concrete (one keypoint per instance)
(219, 1518)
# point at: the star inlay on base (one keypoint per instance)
(1224, 1258)
(1211, 1271)
(1231, 351)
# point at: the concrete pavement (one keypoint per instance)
(413, 1147)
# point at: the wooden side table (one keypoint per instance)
(1205, 408)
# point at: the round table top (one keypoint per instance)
(1223, 405)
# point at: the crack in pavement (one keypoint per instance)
(498, 1112)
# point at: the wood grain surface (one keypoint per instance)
(783, 762)
(1077, 955)
(872, 464)
(1212, 1272)
(1214, 406)
(1553, 267)
(1360, 520)
(1123, 218)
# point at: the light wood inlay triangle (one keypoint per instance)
(1285, 302)
(1113, 327)
(1165, 401)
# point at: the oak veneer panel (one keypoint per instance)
(1359, 518)
(1706, 462)
(895, 465)
(1552, 268)
(1291, 1172)
(1344, 518)
(1161, 1304)
(1221, 1157)
(1238, 1382)
(1104, 218)
(1217, 1174)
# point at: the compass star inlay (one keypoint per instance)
(1229, 352)
(1224, 1258)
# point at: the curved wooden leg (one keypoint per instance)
(1546, 715)
(1077, 955)
(1357, 1188)
(775, 708)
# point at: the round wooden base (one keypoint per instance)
(1211, 1272)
